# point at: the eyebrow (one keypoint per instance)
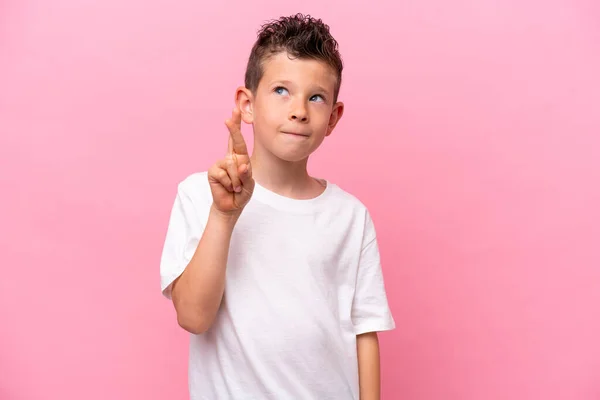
(290, 83)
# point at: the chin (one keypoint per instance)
(291, 156)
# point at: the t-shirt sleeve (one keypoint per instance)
(370, 309)
(183, 234)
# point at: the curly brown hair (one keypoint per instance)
(301, 36)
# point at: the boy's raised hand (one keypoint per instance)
(230, 178)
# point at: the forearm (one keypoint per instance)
(368, 366)
(197, 293)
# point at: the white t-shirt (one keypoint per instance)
(303, 279)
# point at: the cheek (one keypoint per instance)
(321, 118)
(270, 112)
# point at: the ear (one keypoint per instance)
(336, 115)
(244, 100)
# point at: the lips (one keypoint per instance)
(297, 134)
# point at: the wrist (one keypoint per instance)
(227, 218)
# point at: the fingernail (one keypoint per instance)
(238, 189)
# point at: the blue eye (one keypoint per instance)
(281, 90)
(319, 96)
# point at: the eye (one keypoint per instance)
(281, 90)
(318, 98)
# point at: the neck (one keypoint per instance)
(287, 178)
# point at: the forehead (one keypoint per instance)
(304, 72)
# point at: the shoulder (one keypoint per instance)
(348, 204)
(358, 212)
(195, 190)
(343, 197)
(194, 184)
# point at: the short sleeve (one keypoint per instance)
(182, 238)
(370, 309)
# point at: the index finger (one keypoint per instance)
(234, 124)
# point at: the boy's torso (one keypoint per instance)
(284, 327)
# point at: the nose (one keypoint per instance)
(298, 113)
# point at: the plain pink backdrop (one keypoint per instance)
(471, 131)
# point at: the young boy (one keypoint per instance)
(277, 274)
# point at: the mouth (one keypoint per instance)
(296, 134)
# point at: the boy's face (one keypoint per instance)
(292, 110)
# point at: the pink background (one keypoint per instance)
(472, 131)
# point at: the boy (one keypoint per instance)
(275, 273)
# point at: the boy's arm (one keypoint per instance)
(367, 345)
(198, 291)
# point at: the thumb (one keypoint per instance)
(245, 172)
